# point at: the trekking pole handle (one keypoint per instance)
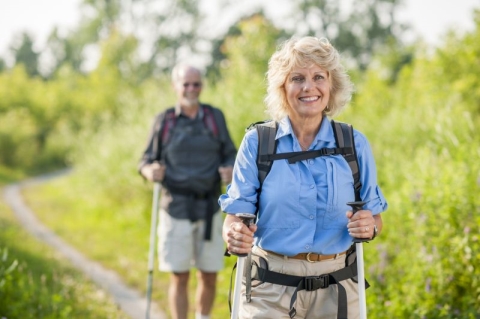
(356, 206)
(247, 220)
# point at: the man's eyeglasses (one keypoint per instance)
(194, 84)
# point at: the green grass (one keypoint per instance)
(115, 235)
(8, 175)
(35, 282)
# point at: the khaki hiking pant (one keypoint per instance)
(272, 301)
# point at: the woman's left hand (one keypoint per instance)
(361, 224)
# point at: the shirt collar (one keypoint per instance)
(326, 131)
(200, 113)
(324, 134)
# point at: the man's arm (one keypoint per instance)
(152, 151)
(229, 151)
(154, 172)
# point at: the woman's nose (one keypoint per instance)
(307, 85)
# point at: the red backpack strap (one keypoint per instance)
(209, 119)
(168, 123)
(170, 120)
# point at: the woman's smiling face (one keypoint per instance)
(307, 90)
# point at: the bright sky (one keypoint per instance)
(430, 18)
(38, 17)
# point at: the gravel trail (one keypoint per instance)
(128, 299)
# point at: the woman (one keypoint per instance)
(304, 226)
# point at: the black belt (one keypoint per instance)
(189, 193)
(198, 196)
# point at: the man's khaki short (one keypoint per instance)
(181, 244)
(273, 301)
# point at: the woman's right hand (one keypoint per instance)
(237, 236)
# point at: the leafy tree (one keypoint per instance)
(25, 54)
(459, 58)
(99, 18)
(166, 31)
(174, 30)
(3, 65)
(357, 33)
(65, 50)
(242, 71)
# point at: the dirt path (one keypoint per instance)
(128, 299)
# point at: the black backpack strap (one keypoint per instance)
(344, 138)
(266, 145)
(294, 157)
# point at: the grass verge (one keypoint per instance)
(35, 282)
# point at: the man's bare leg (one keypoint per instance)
(205, 293)
(178, 295)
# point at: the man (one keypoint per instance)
(190, 151)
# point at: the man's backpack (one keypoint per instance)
(170, 120)
(267, 146)
(210, 123)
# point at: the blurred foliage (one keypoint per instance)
(358, 32)
(36, 283)
(423, 135)
(243, 73)
(170, 31)
(25, 54)
(419, 109)
(460, 61)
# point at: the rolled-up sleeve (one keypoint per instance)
(241, 195)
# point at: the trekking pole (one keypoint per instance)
(151, 252)
(362, 301)
(247, 219)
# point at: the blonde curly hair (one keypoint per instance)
(301, 53)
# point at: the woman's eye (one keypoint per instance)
(318, 77)
(297, 79)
